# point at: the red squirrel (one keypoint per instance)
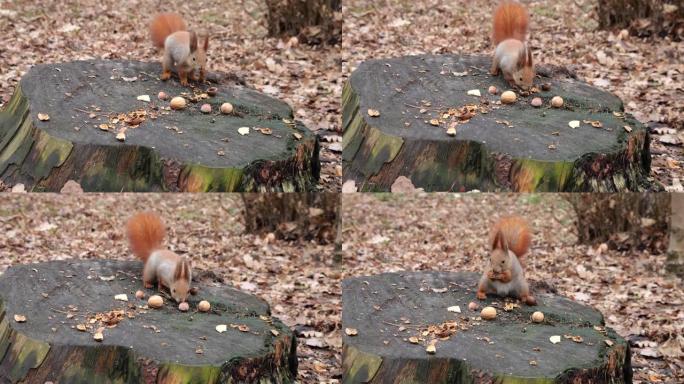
(182, 48)
(512, 55)
(510, 239)
(146, 232)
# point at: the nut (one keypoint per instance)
(183, 307)
(226, 108)
(536, 102)
(557, 102)
(473, 306)
(204, 306)
(508, 97)
(162, 96)
(537, 317)
(178, 103)
(488, 313)
(140, 294)
(155, 301)
(205, 108)
(492, 90)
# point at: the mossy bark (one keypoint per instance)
(537, 152)
(44, 155)
(154, 346)
(388, 309)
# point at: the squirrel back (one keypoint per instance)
(513, 233)
(511, 21)
(165, 24)
(145, 232)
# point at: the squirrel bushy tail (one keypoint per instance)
(511, 21)
(515, 232)
(145, 232)
(165, 24)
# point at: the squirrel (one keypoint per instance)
(512, 55)
(146, 232)
(510, 239)
(181, 47)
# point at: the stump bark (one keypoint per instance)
(389, 309)
(500, 147)
(624, 220)
(169, 150)
(146, 345)
(292, 216)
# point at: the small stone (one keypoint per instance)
(212, 91)
(140, 295)
(473, 306)
(162, 96)
(493, 90)
(546, 87)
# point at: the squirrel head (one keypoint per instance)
(524, 73)
(199, 44)
(180, 286)
(499, 258)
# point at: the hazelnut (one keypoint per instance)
(204, 306)
(155, 301)
(226, 108)
(488, 313)
(508, 97)
(178, 103)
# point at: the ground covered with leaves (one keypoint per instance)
(448, 232)
(307, 77)
(646, 73)
(298, 279)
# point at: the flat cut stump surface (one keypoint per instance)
(388, 309)
(162, 345)
(182, 150)
(503, 147)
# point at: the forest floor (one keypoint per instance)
(449, 232)
(646, 73)
(298, 280)
(306, 77)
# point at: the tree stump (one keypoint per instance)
(169, 150)
(146, 345)
(496, 147)
(390, 309)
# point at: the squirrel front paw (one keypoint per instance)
(529, 300)
(491, 275)
(165, 75)
(481, 295)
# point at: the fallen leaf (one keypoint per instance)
(20, 318)
(243, 130)
(121, 297)
(373, 112)
(454, 308)
(351, 331)
(144, 98)
(474, 92)
(555, 339)
(43, 117)
(221, 328)
(574, 124)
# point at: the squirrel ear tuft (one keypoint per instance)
(193, 41)
(206, 43)
(498, 241)
(529, 56)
